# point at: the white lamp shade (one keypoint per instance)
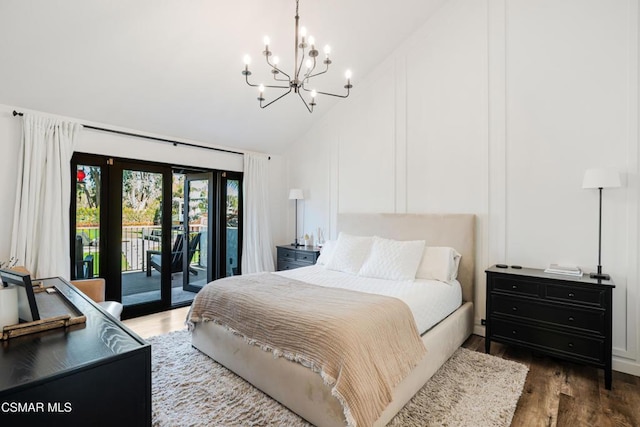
(296, 194)
(601, 178)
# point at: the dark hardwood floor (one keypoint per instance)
(556, 393)
(559, 393)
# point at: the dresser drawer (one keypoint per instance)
(287, 253)
(516, 286)
(590, 349)
(576, 295)
(306, 257)
(588, 320)
(286, 264)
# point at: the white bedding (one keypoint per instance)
(430, 301)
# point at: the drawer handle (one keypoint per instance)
(570, 345)
(571, 295)
(571, 319)
(514, 332)
(514, 308)
(514, 287)
(305, 257)
(288, 255)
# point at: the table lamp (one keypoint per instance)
(600, 178)
(296, 194)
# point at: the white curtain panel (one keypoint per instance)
(256, 237)
(40, 237)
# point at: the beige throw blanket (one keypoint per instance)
(362, 344)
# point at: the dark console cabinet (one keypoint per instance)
(96, 374)
(562, 316)
(290, 257)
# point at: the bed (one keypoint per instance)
(304, 391)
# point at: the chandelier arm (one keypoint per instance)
(276, 87)
(333, 94)
(281, 96)
(254, 85)
(301, 62)
(280, 80)
(310, 70)
(246, 77)
(278, 69)
(321, 72)
(305, 103)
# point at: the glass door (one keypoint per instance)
(232, 223)
(86, 245)
(198, 254)
(156, 233)
(141, 225)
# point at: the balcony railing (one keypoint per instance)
(136, 241)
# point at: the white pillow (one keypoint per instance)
(393, 259)
(326, 252)
(439, 263)
(350, 253)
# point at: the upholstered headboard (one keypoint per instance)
(454, 230)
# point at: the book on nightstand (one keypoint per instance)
(568, 270)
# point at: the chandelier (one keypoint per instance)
(299, 81)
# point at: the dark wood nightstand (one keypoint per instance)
(563, 316)
(290, 257)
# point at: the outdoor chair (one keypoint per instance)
(83, 265)
(154, 258)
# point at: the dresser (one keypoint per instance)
(562, 316)
(93, 374)
(290, 257)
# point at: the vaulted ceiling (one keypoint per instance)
(172, 67)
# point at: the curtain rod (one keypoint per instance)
(175, 143)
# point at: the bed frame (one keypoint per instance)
(302, 390)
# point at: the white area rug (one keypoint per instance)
(190, 389)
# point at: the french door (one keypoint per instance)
(155, 232)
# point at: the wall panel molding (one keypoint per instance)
(497, 129)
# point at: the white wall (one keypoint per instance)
(97, 142)
(497, 108)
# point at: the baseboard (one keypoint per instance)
(626, 366)
(479, 330)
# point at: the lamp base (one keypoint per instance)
(600, 276)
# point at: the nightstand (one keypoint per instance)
(562, 316)
(290, 257)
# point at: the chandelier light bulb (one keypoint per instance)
(312, 41)
(276, 60)
(327, 50)
(266, 40)
(261, 89)
(247, 60)
(303, 31)
(347, 74)
(308, 63)
(314, 93)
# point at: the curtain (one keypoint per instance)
(257, 246)
(40, 236)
